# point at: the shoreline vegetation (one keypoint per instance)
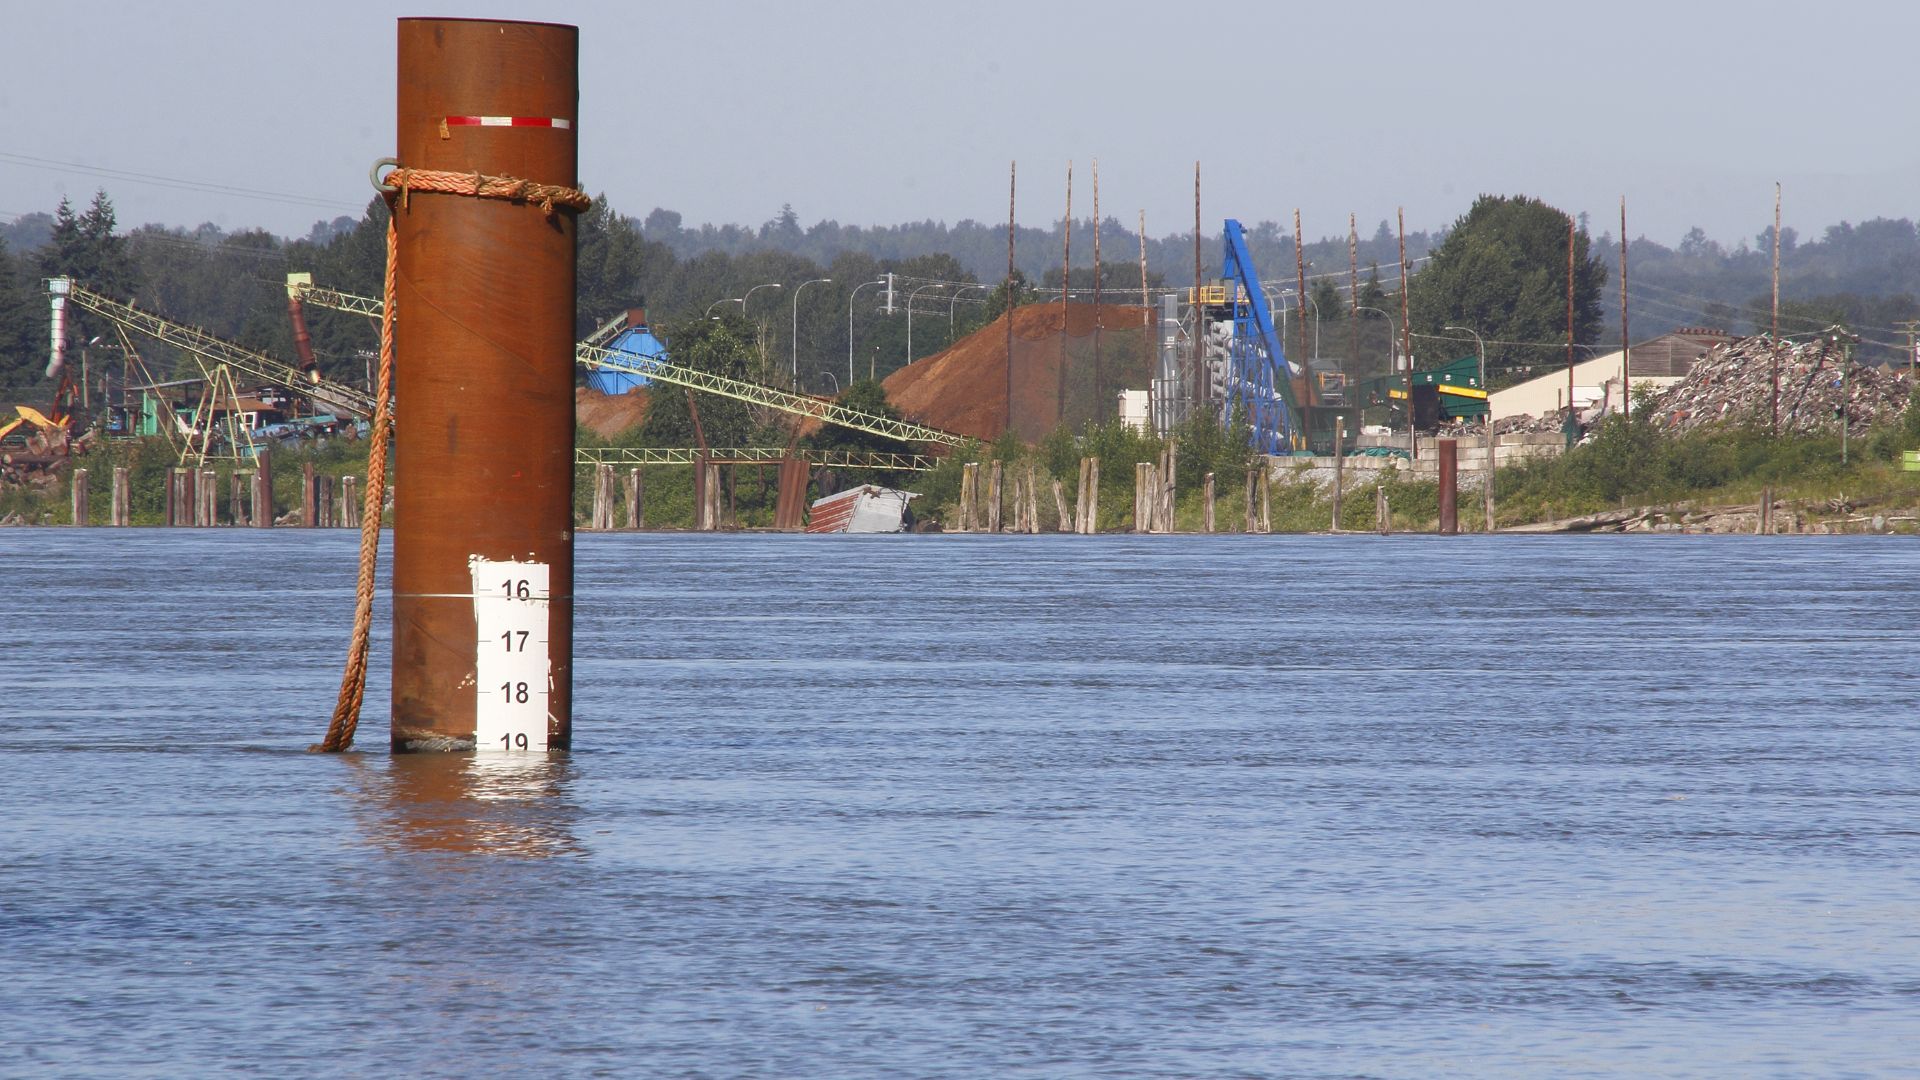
(1627, 476)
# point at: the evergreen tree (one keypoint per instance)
(1503, 272)
(22, 329)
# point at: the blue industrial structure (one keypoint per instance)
(1259, 379)
(638, 343)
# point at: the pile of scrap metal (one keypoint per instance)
(1735, 383)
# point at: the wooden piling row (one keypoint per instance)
(323, 501)
(1086, 515)
(993, 499)
(1143, 485)
(78, 480)
(1339, 459)
(969, 496)
(1032, 504)
(1164, 490)
(122, 497)
(262, 502)
(602, 520)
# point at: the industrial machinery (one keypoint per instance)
(630, 336)
(643, 366)
(1242, 368)
(324, 393)
(1259, 382)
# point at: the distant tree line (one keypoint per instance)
(1500, 267)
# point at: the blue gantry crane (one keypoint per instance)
(1259, 380)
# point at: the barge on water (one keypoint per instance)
(868, 508)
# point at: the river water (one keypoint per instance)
(983, 807)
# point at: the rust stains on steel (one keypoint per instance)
(484, 468)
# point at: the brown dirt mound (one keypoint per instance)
(964, 388)
(606, 415)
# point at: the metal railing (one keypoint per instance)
(837, 459)
(666, 371)
(830, 412)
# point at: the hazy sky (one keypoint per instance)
(875, 113)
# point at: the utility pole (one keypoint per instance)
(1066, 260)
(1013, 175)
(1300, 270)
(1913, 347)
(1406, 339)
(1571, 414)
(1773, 349)
(1626, 348)
(1353, 288)
(1066, 282)
(1199, 315)
(1099, 400)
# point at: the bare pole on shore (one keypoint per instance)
(1066, 281)
(1626, 347)
(1066, 259)
(1406, 338)
(1570, 235)
(1013, 169)
(1199, 318)
(1773, 424)
(1146, 324)
(1300, 290)
(1098, 399)
(1353, 287)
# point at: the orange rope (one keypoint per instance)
(548, 197)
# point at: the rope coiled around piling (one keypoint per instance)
(400, 185)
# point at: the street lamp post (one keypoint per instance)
(955, 299)
(1487, 431)
(830, 377)
(750, 292)
(911, 293)
(725, 300)
(850, 296)
(1392, 336)
(796, 322)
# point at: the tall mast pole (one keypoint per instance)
(1199, 315)
(1099, 400)
(1626, 343)
(1353, 287)
(1066, 261)
(1406, 337)
(1773, 423)
(1570, 232)
(1013, 176)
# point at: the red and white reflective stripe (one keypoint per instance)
(510, 121)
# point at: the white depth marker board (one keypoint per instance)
(512, 672)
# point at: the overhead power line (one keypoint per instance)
(173, 182)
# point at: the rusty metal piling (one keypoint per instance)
(483, 462)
